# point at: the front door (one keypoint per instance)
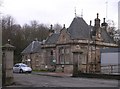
(76, 62)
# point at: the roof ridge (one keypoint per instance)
(32, 45)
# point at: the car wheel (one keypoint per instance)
(30, 72)
(21, 71)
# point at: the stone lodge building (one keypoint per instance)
(77, 46)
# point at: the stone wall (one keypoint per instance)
(68, 68)
(64, 68)
(36, 61)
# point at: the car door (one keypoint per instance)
(16, 68)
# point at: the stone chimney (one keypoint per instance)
(97, 29)
(90, 23)
(97, 21)
(64, 26)
(104, 23)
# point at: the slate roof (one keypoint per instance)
(104, 34)
(34, 47)
(52, 39)
(79, 29)
(106, 37)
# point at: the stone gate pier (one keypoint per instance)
(7, 64)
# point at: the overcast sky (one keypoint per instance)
(59, 11)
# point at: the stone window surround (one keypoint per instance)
(64, 52)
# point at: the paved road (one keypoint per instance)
(33, 80)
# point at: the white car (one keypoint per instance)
(21, 68)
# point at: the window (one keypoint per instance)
(61, 59)
(93, 48)
(83, 58)
(64, 55)
(67, 50)
(51, 52)
(62, 51)
(67, 59)
(61, 55)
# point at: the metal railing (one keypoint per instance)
(110, 69)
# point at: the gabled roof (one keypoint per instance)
(52, 39)
(79, 29)
(34, 47)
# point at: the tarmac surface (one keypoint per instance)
(54, 74)
(51, 79)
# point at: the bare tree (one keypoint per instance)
(7, 28)
(117, 37)
(111, 28)
(34, 24)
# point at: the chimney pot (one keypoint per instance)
(51, 26)
(97, 15)
(104, 20)
(90, 22)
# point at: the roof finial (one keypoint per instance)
(82, 13)
(75, 11)
(97, 15)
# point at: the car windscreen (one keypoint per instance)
(23, 65)
(16, 65)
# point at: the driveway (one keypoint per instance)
(37, 80)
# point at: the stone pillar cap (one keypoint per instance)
(8, 46)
